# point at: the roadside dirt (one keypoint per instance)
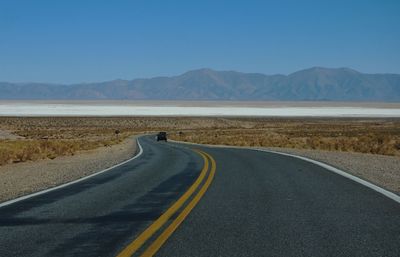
(19, 179)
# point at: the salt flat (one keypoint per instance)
(198, 108)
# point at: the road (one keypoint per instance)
(182, 200)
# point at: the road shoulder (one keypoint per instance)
(380, 170)
(25, 178)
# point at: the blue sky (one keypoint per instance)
(94, 40)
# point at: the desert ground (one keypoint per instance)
(34, 138)
(366, 147)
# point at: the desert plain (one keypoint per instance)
(366, 147)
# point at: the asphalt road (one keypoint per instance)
(258, 204)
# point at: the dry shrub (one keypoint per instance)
(12, 151)
(49, 137)
(365, 136)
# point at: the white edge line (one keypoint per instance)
(374, 187)
(72, 182)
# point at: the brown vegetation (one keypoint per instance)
(353, 135)
(55, 136)
(47, 138)
(24, 150)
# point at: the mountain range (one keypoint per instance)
(314, 84)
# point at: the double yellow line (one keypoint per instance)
(135, 245)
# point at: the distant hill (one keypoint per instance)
(313, 84)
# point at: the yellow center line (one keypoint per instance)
(156, 245)
(156, 225)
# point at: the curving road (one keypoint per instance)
(181, 200)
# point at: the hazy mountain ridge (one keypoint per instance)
(316, 83)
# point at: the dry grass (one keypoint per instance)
(30, 150)
(352, 135)
(51, 137)
(48, 138)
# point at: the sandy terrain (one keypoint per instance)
(19, 179)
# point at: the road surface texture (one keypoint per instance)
(256, 204)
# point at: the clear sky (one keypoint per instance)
(96, 40)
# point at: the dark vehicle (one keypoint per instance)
(162, 136)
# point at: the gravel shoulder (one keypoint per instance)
(24, 178)
(380, 170)
(5, 134)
